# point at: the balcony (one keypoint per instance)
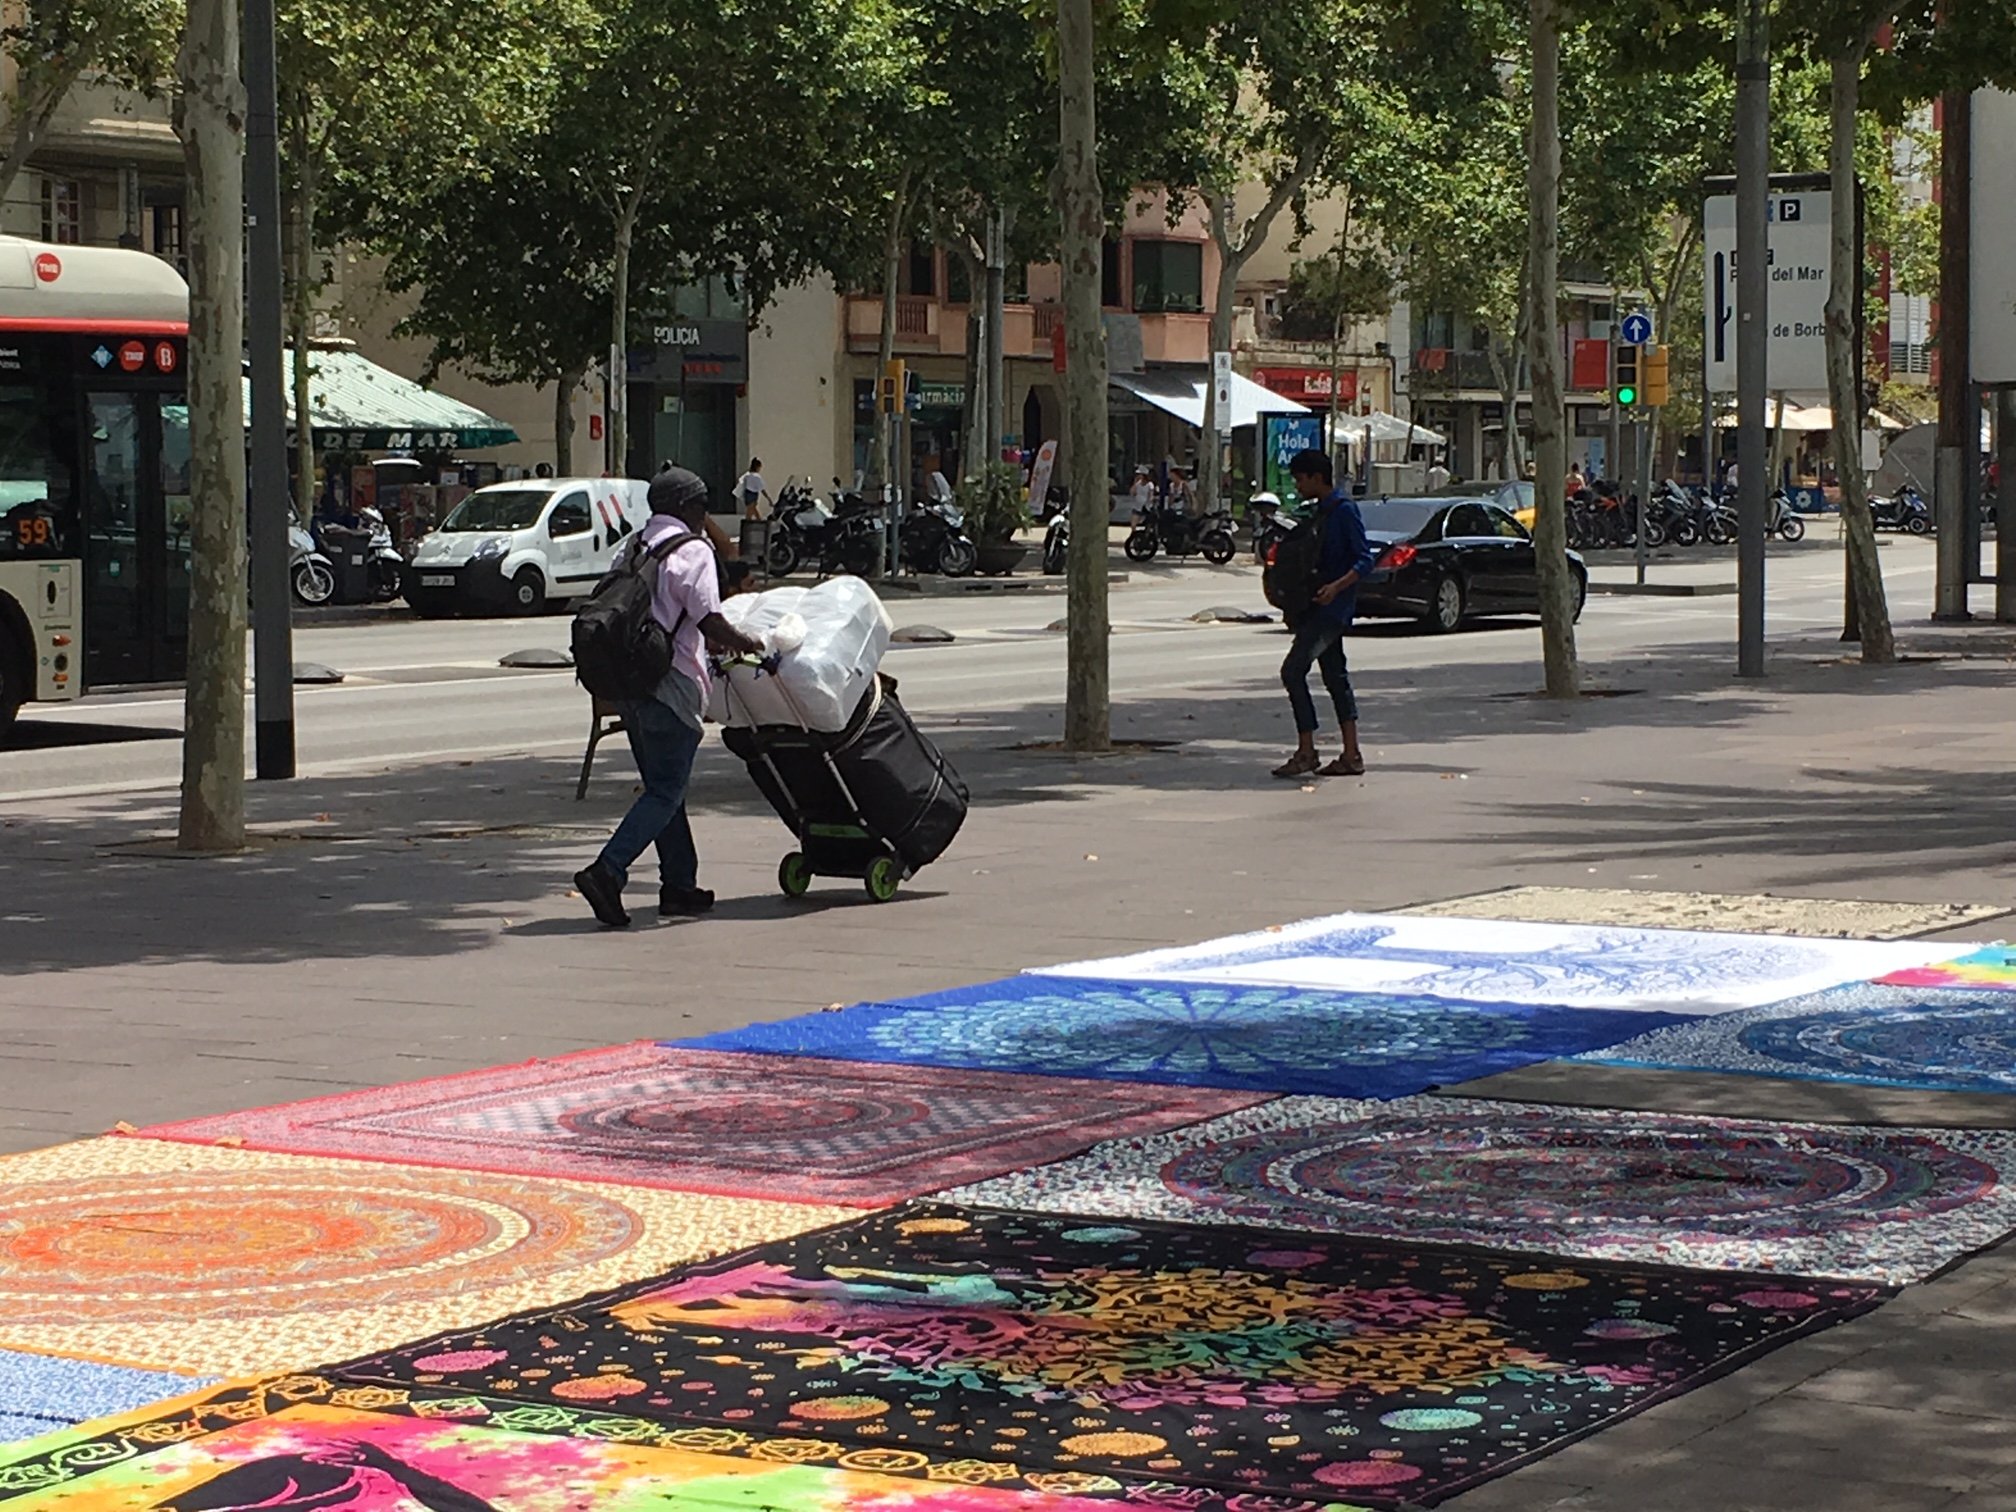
(923, 326)
(1176, 338)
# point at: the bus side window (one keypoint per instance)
(37, 515)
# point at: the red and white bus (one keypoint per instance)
(94, 472)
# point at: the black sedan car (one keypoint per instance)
(1444, 561)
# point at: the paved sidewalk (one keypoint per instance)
(416, 921)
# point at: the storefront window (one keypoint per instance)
(1168, 277)
(710, 299)
(37, 503)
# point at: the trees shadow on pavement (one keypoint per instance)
(432, 859)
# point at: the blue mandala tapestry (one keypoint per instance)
(1926, 1039)
(41, 1393)
(1259, 1039)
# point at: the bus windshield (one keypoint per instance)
(498, 509)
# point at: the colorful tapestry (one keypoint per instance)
(1265, 1364)
(226, 1262)
(1743, 913)
(39, 1393)
(1883, 1205)
(1992, 967)
(1261, 1039)
(1490, 960)
(309, 1442)
(739, 1125)
(1926, 1039)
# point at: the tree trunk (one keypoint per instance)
(1088, 710)
(301, 307)
(211, 117)
(563, 423)
(1844, 387)
(617, 457)
(882, 463)
(1210, 445)
(34, 107)
(1505, 368)
(994, 424)
(1550, 442)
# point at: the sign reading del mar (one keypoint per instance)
(1801, 258)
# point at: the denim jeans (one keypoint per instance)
(664, 745)
(1319, 643)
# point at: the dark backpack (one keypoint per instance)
(621, 652)
(1290, 579)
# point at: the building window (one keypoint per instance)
(922, 271)
(1109, 275)
(958, 282)
(1911, 335)
(164, 229)
(1168, 276)
(62, 211)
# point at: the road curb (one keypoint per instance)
(1664, 590)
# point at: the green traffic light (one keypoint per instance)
(1627, 396)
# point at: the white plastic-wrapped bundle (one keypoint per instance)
(830, 638)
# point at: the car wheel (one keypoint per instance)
(1219, 548)
(314, 584)
(1445, 605)
(528, 591)
(958, 557)
(1142, 546)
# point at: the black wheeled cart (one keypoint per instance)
(877, 800)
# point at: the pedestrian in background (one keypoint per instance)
(753, 490)
(1344, 557)
(664, 729)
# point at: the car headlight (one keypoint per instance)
(494, 546)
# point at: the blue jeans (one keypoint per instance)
(664, 745)
(1319, 643)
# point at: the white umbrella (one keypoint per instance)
(1380, 429)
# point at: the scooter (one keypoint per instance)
(845, 537)
(312, 575)
(385, 568)
(1785, 520)
(1267, 518)
(1905, 510)
(1057, 543)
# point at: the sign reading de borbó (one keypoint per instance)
(692, 351)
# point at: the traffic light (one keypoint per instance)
(1658, 377)
(1625, 385)
(894, 385)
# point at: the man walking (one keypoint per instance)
(664, 729)
(1344, 557)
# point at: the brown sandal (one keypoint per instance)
(1344, 766)
(1299, 765)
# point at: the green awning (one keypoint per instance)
(356, 405)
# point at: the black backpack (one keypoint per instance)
(621, 652)
(1290, 579)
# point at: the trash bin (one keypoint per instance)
(754, 545)
(349, 553)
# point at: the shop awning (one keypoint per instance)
(1182, 395)
(1809, 418)
(356, 405)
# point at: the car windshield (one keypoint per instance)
(1399, 517)
(498, 509)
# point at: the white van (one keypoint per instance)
(517, 547)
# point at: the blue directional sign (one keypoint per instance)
(1637, 328)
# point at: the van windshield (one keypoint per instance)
(498, 509)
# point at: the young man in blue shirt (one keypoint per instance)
(1344, 557)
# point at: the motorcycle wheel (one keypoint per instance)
(1918, 525)
(1142, 546)
(782, 558)
(1655, 535)
(314, 584)
(1686, 533)
(1219, 548)
(1792, 528)
(1056, 554)
(957, 557)
(860, 559)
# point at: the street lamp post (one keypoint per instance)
(1753, 295)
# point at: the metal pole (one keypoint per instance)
(1753, 295)
(1612, 464)
(2005, 507)
(997, 367)
(270, 514)
(1959, 419)
(1641, 472)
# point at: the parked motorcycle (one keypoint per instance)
(1784, 519)
(311, 573)
(371, 539)
(1904, 510)
(933, 538)
(1168, 528)
(1057, 543)
(844, 536)
(1269, 521)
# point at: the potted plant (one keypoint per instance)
(994, 509)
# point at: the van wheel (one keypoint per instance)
(13, 680)
(528, 591)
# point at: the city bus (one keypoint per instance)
(94, 472)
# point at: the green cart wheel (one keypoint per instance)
(884, 877)
(794, 876)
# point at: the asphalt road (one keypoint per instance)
(419, 691)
